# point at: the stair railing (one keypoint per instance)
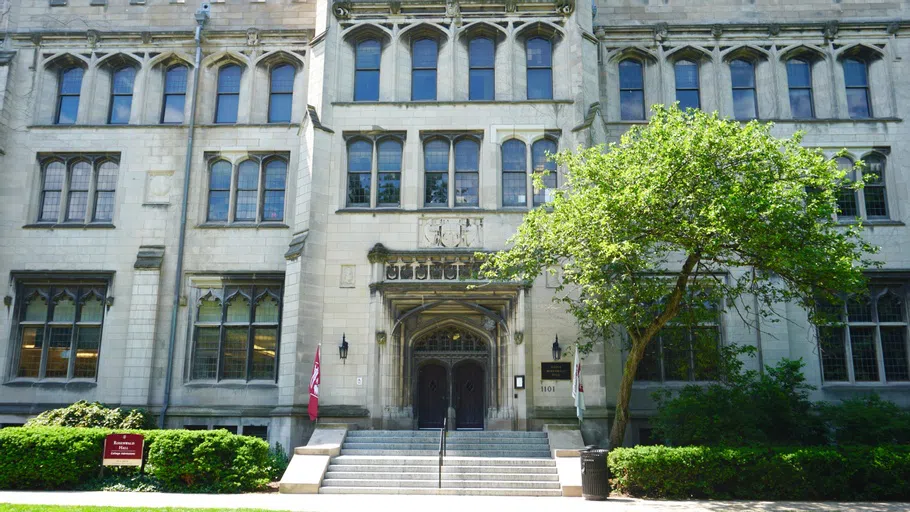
(442, 446)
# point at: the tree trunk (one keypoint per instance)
(621, 420)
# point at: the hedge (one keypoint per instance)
(63, 457)
(879, 473)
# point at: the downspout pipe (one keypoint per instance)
(202, 15)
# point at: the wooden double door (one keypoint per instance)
(465, 394)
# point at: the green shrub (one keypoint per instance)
(178, 460)
(278, 462)
(866, 420)
(816, 473)
(93, 415)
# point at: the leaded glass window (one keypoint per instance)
(799, 83)
(846, 198)
(59, 330)
(251, 191)
(228, 97)
(360, 168)
(514, 173)
(69, 87)
(684, 352)
(467, 172)
(450, 339)
(745, 102)
(389, 172)
(687, 89)
(219, 191)
(236, 338)
(481, 61)
(436, 172)
(366, 74)
(539, 68)
(631, 90)
(541, 151)
(79, 189)
(424, 54)
(281, 92)
(856, 79)
(872, 201)
(173, 106)
(122, 82)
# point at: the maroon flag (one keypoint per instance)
(313, 407)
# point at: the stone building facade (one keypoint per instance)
(347, 161)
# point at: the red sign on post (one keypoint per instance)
(123, 450)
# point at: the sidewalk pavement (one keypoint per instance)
(406, 503)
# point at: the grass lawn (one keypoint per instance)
(5, 507)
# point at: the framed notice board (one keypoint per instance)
(555, 371)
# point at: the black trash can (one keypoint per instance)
(595, 476)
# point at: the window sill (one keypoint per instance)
(68, 225)
(74, 384)
(448, 102)
(463, 209)
(672, 384)
(242, 225)
(162, 125)
(872, 223)
(865, 386)
(232, 384)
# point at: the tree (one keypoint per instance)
(680, 214)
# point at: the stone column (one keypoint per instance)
(140, 338)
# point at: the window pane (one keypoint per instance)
(630, 75)
(77, 204)
(540, 84)
(229, 79)
(676, 354)
(238, 309)
(248, 175)
(389, 155)
(858, 102)
(514, 156)
(436, 155)
(894, 353)
(71, 81)
(50, 207)
(466, 189)
(834, 359)
(120, 109)
(276, 174)
(514, 189)
(482, 85)
(742, 73)
(649, 367)
(437, 189)
(280, 107)
(123, 81)
(359, 189)
(220, 178)
(53, 176)
(366, 86)
(36, 310)
(424, 54)
(875, 202)
(541, 152)
(32, 339)
(87, 345)
(686, 75)
(865, 364)
(265, 342)
(368, 54)
(209, 311)
(632, 105)
(173, 108)
(481, 52)
(175, 80)
(360, 156)
(69, 108)
(707, 355)
(246, 205)
(540, 52)
(58, 352)
(64, 310)
(80, 176)
(218, 205)
(798, 73)
(92, 310)
(233, 364)
(890, 308)
(859, 310)
(107, 176)
(855, 73)
(227, 108)
(267, 310)
(744, 104)
(801, 103)
(205, 355)
(282, 78)
(389, 188)
(273, 207)
(104, 206)
(687, 99)
(875, 169)
(467, 155)
(846, 203)
(423, 84)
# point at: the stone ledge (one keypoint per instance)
(41, 225)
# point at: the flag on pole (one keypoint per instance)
(578, 391)
(313, 406)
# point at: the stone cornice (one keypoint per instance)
(139, 37)
(352, 9)
(828, 29)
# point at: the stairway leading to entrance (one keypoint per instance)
(476, 463)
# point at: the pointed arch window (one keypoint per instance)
(228, 96)
(856, 79)
(389, 172)
(219, 191)
(467, 172)
(360, 169)
(541, 162)
(69, 87)
(245, 199)
(173, 106)
(424, 56)
(77, 197)
(745, 101)
(237, 338)
(366, 75)
(872, 203)
(276, 171)
(514, 173)
(631, 90)
(799, 83)
(121, 95)
(539, 68)
(59, 330)
(687, 86)
(250, 192)
(78, 189)
(481, 62)
(281, 92)
(436, 172)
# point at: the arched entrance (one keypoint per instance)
(450, 354)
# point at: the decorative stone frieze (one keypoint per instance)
(450, 233)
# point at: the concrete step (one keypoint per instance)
(449, 446)
(434, 461)
(452, 453)
(484, 434)
(446, 484)
(447, 476)
(449, 440)
(449, 492)
(446, 470)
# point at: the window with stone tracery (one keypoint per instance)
(450, 339)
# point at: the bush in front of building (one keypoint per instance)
(865, 420)
(803, 473)
(93, 415)
(51, 458)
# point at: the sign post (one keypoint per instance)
(123, 450)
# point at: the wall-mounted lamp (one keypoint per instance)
(557, 350)
(343, 349)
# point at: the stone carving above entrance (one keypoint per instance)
(450, 233)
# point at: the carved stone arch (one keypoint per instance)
(470, 305)
(389, 136)
(168, 59)
(92, 292)
(214, 159)
(544, 136)
(467, 136)
(266, 293)
(482, 29)
(542, 29)
(66, 60)
(638, 53)
(447, 323)
(423, 30)
(861, 51)
(64, 292)
(274, 58)
(875, 154)
(506, 137)
(363, 31)
(119, 60)
(266, 161)
(219, 59)
(690, 52)
(209, 295)
(805, 52)
(748, 53)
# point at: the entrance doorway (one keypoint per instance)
(432, 394)
(468, 393)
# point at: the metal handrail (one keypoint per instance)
(442, 446)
